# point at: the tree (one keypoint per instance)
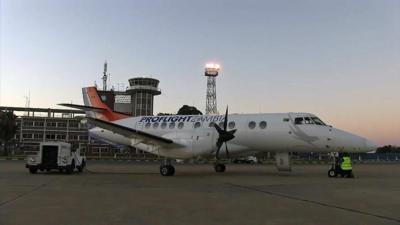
(8, 128)
(164, 114)
(388, 149)
(189, 110)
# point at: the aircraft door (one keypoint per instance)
(203, 141)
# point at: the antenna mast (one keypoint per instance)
(105, 77)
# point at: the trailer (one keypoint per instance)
(56, 156)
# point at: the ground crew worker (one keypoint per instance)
(345, 166)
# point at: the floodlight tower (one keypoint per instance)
(211, 73)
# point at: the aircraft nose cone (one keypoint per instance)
(370, 145)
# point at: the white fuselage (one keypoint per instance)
(272, 132)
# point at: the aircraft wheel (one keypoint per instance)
(33, 170)
(332, 173)
(167, 170)
(219, 168)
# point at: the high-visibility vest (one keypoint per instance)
(346, 164)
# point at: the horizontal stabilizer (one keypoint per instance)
(128, 132)
(85, 108)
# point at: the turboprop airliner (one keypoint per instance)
(218, 136)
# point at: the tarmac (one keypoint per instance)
(134, 193)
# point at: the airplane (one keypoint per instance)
(185, 137)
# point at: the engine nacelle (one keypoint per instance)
(282, 160)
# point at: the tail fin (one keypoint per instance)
(101, 111)
(95, 108)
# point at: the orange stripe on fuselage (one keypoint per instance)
(95, 100)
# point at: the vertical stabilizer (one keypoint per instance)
(91, 98)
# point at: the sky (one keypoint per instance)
(337, 59)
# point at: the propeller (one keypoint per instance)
(224, 135)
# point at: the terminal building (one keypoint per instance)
(36, 125)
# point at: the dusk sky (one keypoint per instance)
(337, 59)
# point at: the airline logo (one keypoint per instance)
(166, 119)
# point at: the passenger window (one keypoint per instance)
(263, 124)
(155, 125)
(231, 125)
(180, 125)
(197, 125)
(252, 125)
(221, 124)
(298, 120)
(285, 119)
(163, 125)
(147, 126)
(211, 124)
(172, 125)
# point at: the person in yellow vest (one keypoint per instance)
(345, 165)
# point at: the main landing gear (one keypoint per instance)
(166, 168)
(219, 167)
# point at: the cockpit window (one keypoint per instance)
(318, 121)
(308, 120)
(298, 120)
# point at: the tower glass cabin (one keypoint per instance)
(142, 91)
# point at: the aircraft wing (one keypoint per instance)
(143, 137)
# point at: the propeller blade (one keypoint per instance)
(226, 149)
(232, 131)
(223, 136)
(219, 145)
(219, 130)
(226, 119)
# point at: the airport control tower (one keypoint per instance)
(142, 91)
(211, 73)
